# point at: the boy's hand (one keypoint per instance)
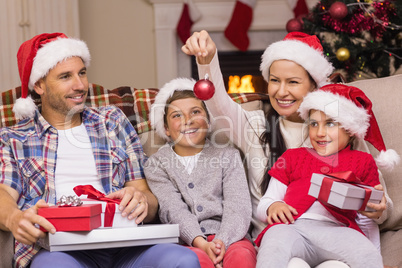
(208, 247)
(280, 212)
(220, 251)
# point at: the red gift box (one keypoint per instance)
(80, 218)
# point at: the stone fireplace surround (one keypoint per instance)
(269, 22)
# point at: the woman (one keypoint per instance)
(292, 67)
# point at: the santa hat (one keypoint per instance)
(303, 49)
(158, 107)
(352, 109)
(39, 55)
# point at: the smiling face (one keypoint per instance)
(64, 90)
(326, 135)
(187, 125)
(288, 83)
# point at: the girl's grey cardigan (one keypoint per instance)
(213, 199)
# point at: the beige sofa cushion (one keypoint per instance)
(6, 249)
(386, 95)
(391, 248)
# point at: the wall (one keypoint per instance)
(21, 20)
(120, 37)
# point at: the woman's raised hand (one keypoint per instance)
(200, 45)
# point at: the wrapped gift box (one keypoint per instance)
(148, 234)
(344, 195)
(80, 218)
(118, 220)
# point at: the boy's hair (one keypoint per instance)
(179, 95)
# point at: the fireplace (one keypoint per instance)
(239, 69)
(269, 22)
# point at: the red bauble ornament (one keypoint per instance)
(338, 10)
(204, 89)
(294, 25)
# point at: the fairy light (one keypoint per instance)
(392, 54)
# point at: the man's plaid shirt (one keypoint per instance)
(28, 153)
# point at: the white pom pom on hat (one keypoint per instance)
(39, 55)
(351, 108)
(303, 49)
(158, 107)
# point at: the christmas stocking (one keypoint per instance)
(299, 7)
(236, 31)
(189, 15)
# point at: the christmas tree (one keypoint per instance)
(361, 38)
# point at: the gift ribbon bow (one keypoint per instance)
(346, 176)
(69, 201)
(95, 194)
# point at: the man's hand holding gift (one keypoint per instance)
(23, 224)
(133, 204)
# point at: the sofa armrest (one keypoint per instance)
(385, 94)
(6, 249)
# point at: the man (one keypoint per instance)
(67, 144)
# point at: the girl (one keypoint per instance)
(199, 186)
(311, 230)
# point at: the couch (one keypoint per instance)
(385, 93)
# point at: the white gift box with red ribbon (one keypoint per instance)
(117, 219)
(343, 195)
(111, 215)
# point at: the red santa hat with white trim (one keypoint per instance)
(303, 49)
(36, 57)
(352, 109)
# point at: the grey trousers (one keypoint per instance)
(315, 242)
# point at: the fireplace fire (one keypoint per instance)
(240, 70)
(240, 85)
